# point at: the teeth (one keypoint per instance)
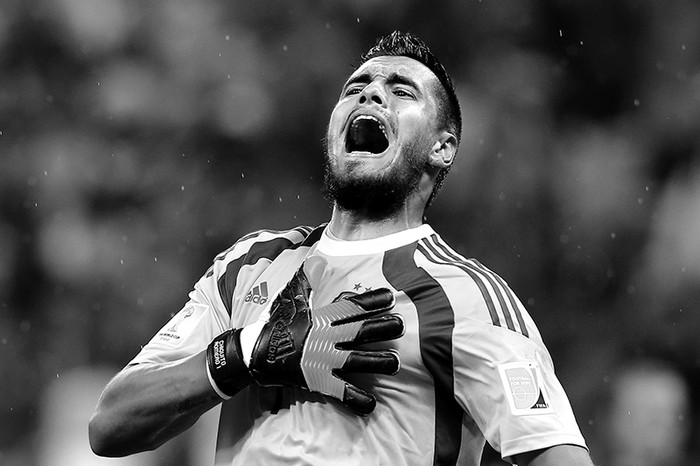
(370, 117)
(366, 134)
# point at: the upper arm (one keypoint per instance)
(507, 383)
(554, 456)
(191, 329)
(504, 376)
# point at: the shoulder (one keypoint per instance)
(265, 243)
(447, 266)
(476, 291)
(250, 256)
(261, 244)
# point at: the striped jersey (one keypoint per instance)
(473, 364)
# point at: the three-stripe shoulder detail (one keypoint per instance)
(503, 305)
(296, 235)
(264, 244)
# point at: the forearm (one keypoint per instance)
(556, 456)
(144, 406)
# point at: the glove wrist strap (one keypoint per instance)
(226, 370)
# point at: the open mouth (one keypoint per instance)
(366, 134)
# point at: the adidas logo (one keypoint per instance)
(257, 295)
(281, 343)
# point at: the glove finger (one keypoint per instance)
(292, 299)
(374, 362)
(298, 289)
(367, 305)
(382, 328)
(358, 401)
(377, 300)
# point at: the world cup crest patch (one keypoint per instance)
(182, 324)
(524, 388)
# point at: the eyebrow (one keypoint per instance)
(394, 78)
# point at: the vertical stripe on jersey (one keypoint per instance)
(263, 250)
(435, 326)
(493, 288)
(232, 426)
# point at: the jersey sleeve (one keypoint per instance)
(210, 309)
(505, 379)
(190, 330)
(203, 317)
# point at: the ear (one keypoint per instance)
(443, 152)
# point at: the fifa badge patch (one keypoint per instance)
(524, 388)
(182, 324)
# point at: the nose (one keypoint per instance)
(372, 94)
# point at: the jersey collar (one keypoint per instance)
(332, 246)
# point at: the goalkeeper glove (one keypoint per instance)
(308, 348)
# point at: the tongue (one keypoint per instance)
(366, 135)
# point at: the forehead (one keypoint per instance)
(385, 66)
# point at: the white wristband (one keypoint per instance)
(216, 387)
(249, 335)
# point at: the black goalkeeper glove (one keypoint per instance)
(311, 348)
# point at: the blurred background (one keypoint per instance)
(140, 138)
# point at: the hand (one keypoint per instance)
(312, 348)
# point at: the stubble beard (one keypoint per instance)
(374, 197)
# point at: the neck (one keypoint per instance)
(346, 226)
(354, 225)
(351, 226)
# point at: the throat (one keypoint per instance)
(352, 226)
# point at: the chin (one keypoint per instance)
(358, 186)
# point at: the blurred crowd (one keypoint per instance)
(140, 138)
